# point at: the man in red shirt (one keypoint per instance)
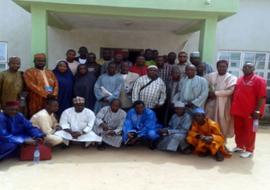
(139, 67)
(247, 107)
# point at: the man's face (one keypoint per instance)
(179, 111)
(152, 73)
(140, 61)
(199, 118)
(53, 106)
(195, 60)
(148, 55)
(171, 57)
(201, 68)
(11, 111)
(91, 58)
(124, 68)
(139, 109)
(190, 71)
(107, 55)
(222, 68)
(248, 69)
(83, 52)
(15, 65)
(40, 62)
(118, 58)
(79, 107)
(182, 58)
(71, 55)
(160, 61)
(111, 69)
(115, 106)
(176, 75)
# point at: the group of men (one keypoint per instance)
(175, 106)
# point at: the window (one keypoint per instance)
(237, 59)
(3, 55)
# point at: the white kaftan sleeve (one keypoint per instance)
(91, 120)
(64, 120)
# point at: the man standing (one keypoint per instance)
(205, 136)
(174, 137)
(141, 124)
(106, 57)
(195, 59)
(109, 124)
(40, 83)
(182, 63)
(129, 80)
(149, 57)
(15, 130)
(152, 91)
(11, 82)
(247, 108)
(72, 63)
(117, 60)
(139, 67)
(193, 90)
(108, 87)
(164, 69)
(77, 124)
(46, 121)
(83, 55)
(218, 105)
(171, 58)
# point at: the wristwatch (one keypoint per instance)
(257, 112)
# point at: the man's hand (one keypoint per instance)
(163, 132)
(256, 115)
(58, 128)
(211, 95)
(75, 134)
(110, 132)
(104, 126)
(131, 135)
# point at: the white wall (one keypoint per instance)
(93, 39)
(249, 29)
(15, 28)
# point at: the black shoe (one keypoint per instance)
(101, 147)
(219, 156)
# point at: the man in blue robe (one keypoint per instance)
(15, 130)
(174, 137)
(141, 124)
(108, 87)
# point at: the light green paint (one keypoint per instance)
(208, 39)
(39, 30)
(146, 9)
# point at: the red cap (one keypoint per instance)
(12, 104)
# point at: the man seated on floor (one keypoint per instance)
(205, 136)
(77, 124)
(141, 124)
(46, 121)
(109, 124)
(174, 137)
(15, 130)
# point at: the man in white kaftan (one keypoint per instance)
(77, 124)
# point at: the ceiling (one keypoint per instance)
(78, 21)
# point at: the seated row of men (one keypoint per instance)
(187, 131)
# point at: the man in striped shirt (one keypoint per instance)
(164, 69)
(151, 90)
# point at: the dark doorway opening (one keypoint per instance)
(131, 52)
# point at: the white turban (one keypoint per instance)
(195, 54)
(152, 67)
(179, 104)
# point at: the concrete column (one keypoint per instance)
(39, 43)
(208, 39)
